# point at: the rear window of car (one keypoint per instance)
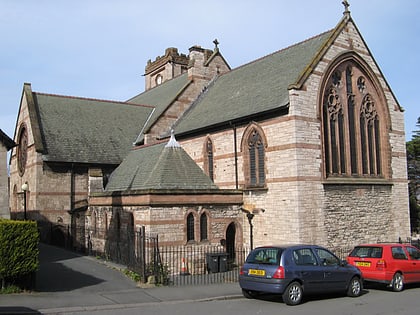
(268, 255)
(367, 252)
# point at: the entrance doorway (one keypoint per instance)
(230, 241)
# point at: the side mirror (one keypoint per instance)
(344, 263)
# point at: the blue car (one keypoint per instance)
(294, 270)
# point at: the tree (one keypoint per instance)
(413, 166)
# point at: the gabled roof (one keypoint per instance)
(82, 130)
(6, 140)
(159, 167)
(257, 87)
(160, 97)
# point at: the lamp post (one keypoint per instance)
(250, 216)
(25, 188)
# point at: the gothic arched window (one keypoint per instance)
(203, 227)
(253, 147)
(190, 228)
(22, 150)
(353, 120)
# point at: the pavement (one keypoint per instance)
(67, 282)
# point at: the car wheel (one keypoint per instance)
(397, 283)
(293, 294)
(249, 294)
(355, 287)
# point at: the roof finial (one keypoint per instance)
(172, 143)
(216, 42)
(346, 7)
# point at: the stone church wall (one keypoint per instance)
(105, 223)
(298, 206)
(4, 183)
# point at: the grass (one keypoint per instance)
(10, 289)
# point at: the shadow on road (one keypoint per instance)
(54, 274)
(15, 310)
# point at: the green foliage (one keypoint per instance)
(132, 274)
(413, 166)
(18, 248)
(10, 289)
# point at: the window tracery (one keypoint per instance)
(352, 124)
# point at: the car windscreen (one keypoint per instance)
(266, 255)
(367, 252)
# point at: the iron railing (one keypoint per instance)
(191, 264)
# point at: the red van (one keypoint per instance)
(392, 264)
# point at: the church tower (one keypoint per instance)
(165, 67)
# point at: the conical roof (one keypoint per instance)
(159, 167)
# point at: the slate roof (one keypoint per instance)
(6, 140)
(82, 130)
(249, 90)
(159, 167)
(160, 97)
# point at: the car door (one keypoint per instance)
(413, 263)
(401, 262)
(307, 269)
(336, 276)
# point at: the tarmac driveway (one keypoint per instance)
(61, 270)
(68, 283)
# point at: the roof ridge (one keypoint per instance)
(139, 147)
(278, 51)
(159, 85)
(92, 99)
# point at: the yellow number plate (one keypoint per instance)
(256, 272)
(362, 263)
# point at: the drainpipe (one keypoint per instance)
(72, 184)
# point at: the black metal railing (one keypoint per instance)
(191, 264)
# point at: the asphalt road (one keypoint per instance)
(373, 302)
(68, 283)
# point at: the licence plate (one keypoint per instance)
(256, 272)
(362, 263)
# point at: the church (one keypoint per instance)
(305, 145)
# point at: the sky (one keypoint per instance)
(99, 48)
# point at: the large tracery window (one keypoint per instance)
(352, 124)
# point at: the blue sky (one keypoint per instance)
(99, 48)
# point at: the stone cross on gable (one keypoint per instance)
(346, 6)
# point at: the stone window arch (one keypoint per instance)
(22, 149)
(254, 145)
(354, 123)
(203, 227)
(190, 227)
(208, 157)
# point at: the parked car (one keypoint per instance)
(392, 264)
(295, 270)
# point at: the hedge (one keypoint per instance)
(19, 253)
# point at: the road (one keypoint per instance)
(373, 301)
